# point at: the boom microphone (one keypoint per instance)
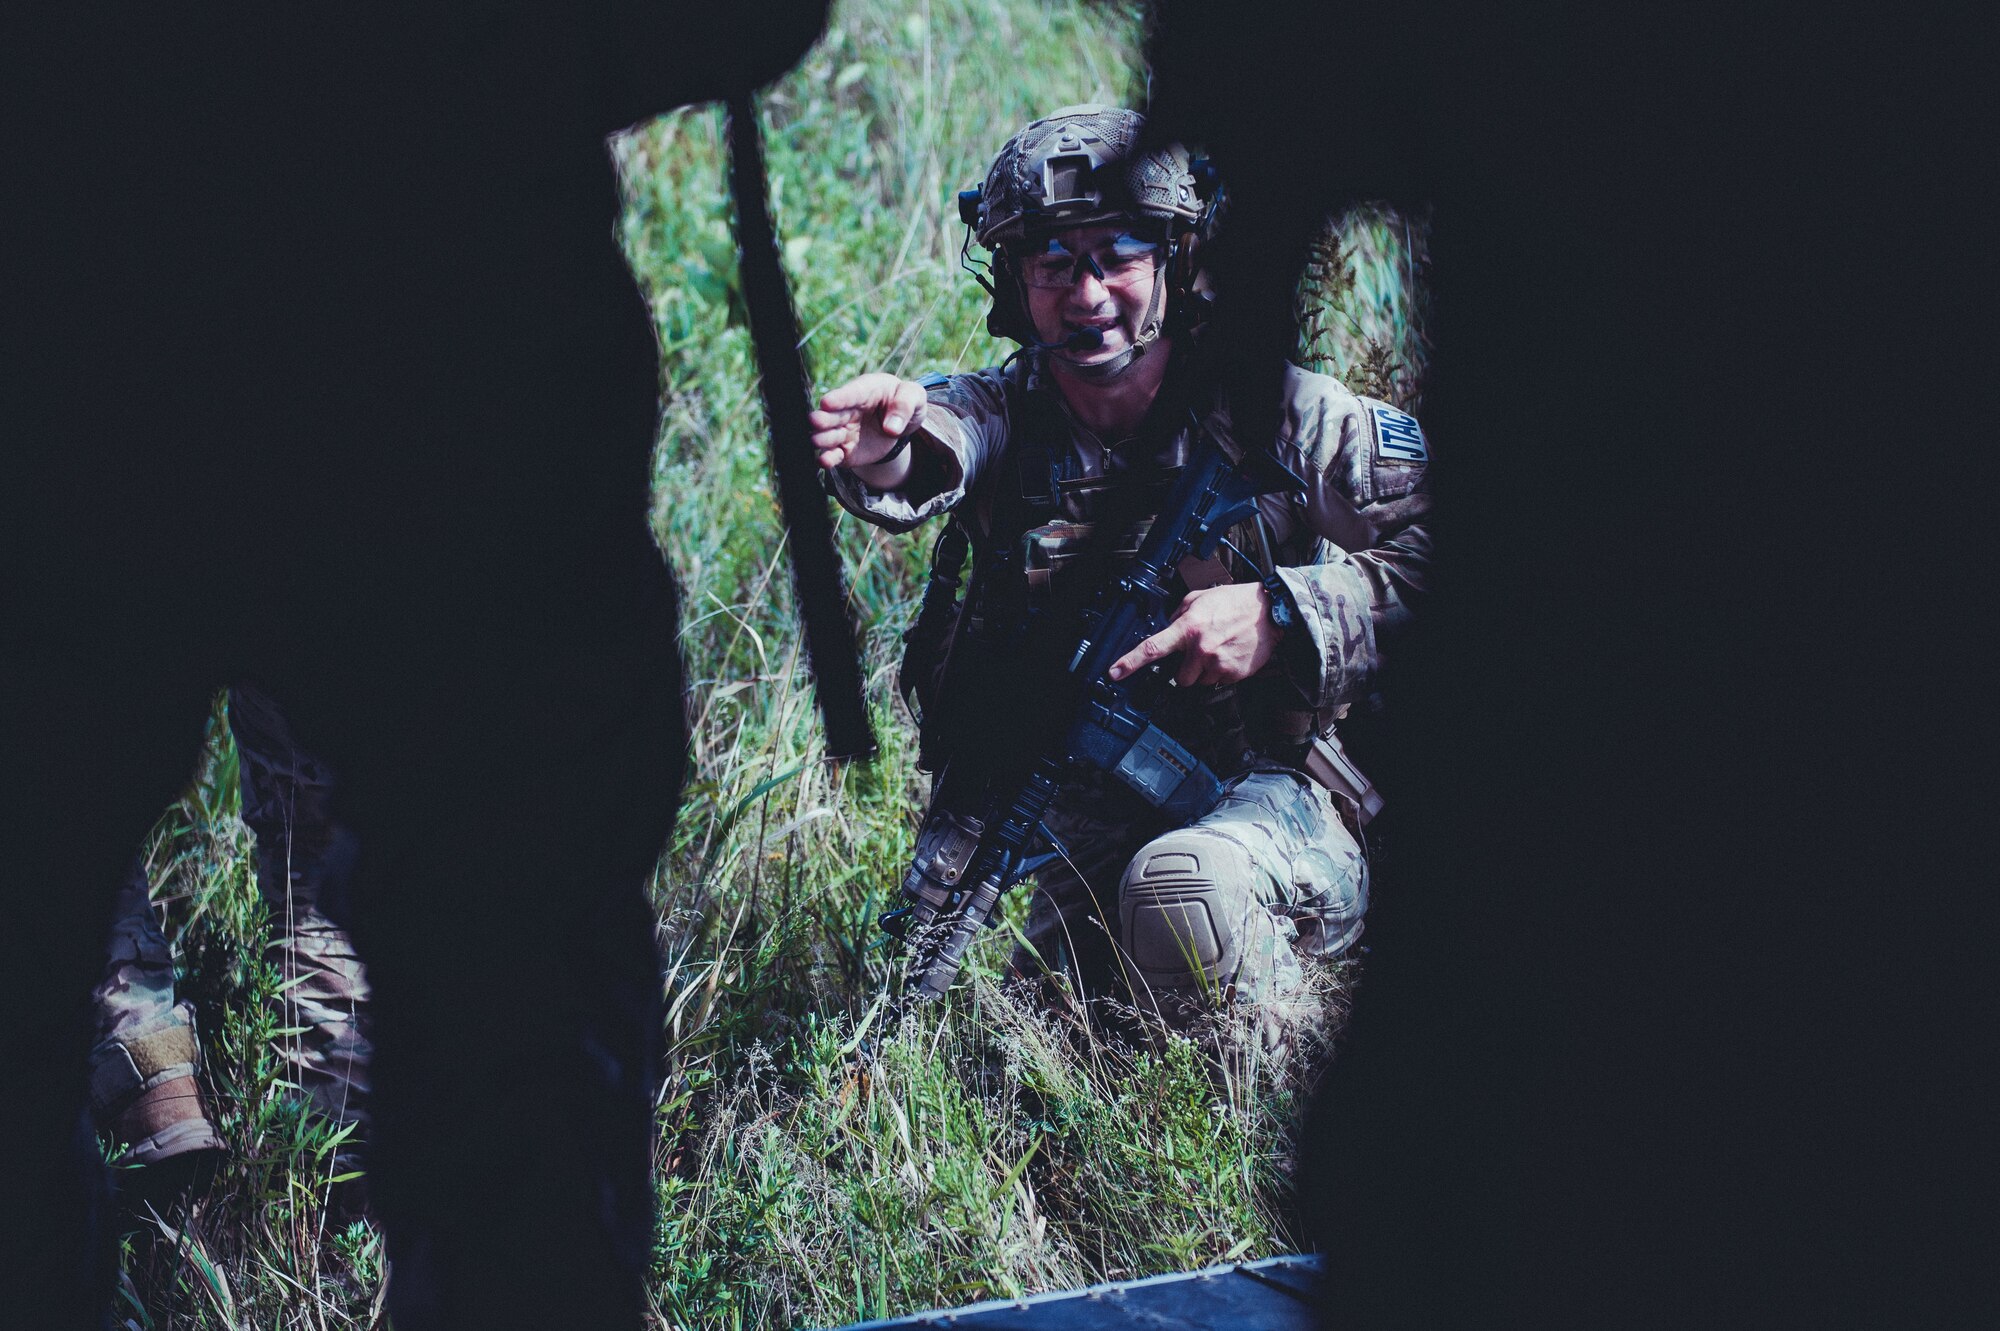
(1083, 339)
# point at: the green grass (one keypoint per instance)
(816, 1165)
(1364, 303)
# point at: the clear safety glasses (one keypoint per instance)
(1120, 261)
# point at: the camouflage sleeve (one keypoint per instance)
(963, 431)
(1361, 560)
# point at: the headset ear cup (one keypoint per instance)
(1009, 315)
(1186, 308)
(1000, 321)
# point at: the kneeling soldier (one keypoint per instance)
(1095, 254)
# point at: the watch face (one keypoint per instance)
(1281, 602)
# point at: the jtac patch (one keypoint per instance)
(1398, 438)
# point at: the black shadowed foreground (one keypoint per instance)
(1612, 1062)
(1588, 1071)
(321, 313)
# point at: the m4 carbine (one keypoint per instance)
(984, 835)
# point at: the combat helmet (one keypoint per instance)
(1079, 166)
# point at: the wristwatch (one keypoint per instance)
(1284, 610)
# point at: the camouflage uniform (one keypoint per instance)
(1276, 872)
(143, 1087)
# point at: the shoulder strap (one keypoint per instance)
(1027, 496)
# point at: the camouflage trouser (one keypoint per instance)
(1221, 910)
(142, 1069)
(143, 1086)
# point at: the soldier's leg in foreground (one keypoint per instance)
(329, 1058)
(143, 1091)
(304, 858)
(1224, 909)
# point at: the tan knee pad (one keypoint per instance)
(1187, 915)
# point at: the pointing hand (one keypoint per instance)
(1223, 634)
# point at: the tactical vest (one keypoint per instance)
(1034, 523)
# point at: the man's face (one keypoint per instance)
(1097, 277)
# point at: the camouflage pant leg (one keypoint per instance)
(304, 857)
(1224, 909)
(143, 1084)
(326, 1002)
(143, 1090)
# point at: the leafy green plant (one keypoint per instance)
(1363, 302)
